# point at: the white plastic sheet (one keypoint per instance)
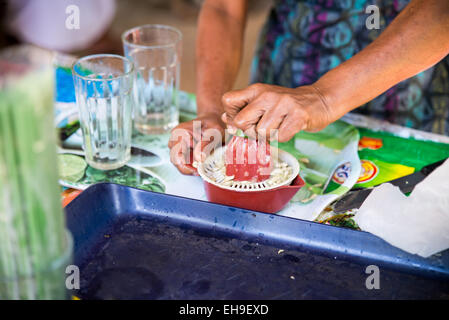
(418, 224)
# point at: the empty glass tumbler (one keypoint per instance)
(103, 85)
(156, 52)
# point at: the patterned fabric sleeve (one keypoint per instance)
(303, 39)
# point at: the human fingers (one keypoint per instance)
(271, 120)
(248, 118)
(234, 101)
(182, 132)
(181, 151)
(212, 138)
(291, 124)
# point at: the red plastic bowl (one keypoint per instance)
(269, 201)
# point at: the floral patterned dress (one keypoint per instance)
(303, 39)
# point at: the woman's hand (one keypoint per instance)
(260, 108)
(189, 140)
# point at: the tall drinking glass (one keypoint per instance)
(103, 85)
(156, 52)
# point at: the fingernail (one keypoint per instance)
(224, 117)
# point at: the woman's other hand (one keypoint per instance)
(191, 140)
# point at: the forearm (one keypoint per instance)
(218, 51)
(416, 40)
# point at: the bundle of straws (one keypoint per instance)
(34, 248)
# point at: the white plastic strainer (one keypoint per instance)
(209, 170)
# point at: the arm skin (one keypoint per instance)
(417, 39)
(219, 47)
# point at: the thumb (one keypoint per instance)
(212, 138)
(199, 153)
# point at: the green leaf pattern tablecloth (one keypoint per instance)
(329, 159)
(319, 154)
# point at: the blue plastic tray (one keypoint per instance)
(131, 243)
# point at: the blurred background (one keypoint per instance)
(21, 19)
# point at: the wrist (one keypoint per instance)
(328, 101)
(209, 114)
(209, 107)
